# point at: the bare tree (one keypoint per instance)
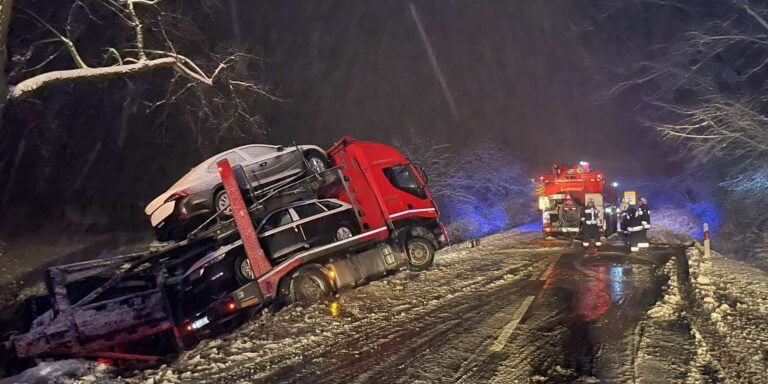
(150, 49)
(706, 86)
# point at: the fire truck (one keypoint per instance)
(564, 192)
(115, 308)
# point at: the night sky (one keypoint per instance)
(528, 74)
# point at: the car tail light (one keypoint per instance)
(230, 306)
(177, 195)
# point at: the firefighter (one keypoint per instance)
(622, 217)
(589, 224)
(627, 213)
(645, 220)
(634, 228)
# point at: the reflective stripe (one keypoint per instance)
(635, 229)
(398, 214)
(590, 222)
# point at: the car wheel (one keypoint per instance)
(310, 285)
(343, 232)
(243, 271)
(316, 162)
(421, 254)
(221, 202)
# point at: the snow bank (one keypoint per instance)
(728, 315)
(663, 342)
(668, 307)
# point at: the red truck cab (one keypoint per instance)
(387, 189)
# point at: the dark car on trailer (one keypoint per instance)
(293, 230)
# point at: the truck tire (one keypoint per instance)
(421, 254)
(310, 285)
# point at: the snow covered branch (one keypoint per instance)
(721, 129)
(128, 61)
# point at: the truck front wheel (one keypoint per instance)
(310, 285)
(421, 254)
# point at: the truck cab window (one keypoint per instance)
(402, 177)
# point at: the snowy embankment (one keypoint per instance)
(709, 324)
(729, 303)
(664, 345)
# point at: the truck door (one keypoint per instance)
(402, 178)
(280, 235)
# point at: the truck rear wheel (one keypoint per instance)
(421, 254)
(310, 285)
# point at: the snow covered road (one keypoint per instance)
(513, 309)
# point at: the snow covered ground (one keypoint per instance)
(729, 311)
(712, 317)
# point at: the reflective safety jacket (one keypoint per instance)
(590, 216)
(645, 216)
(635, 223)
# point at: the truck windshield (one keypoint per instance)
(402, 178)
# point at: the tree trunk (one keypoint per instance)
(5, 21)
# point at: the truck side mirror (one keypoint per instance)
(422, 173)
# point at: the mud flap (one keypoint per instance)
(399, 242)
(248, 295)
